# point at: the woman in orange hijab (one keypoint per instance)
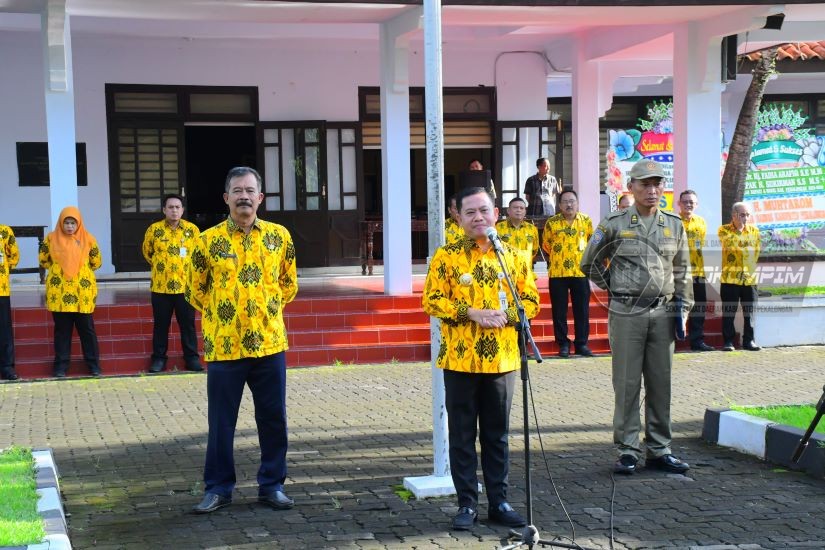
(71, 255)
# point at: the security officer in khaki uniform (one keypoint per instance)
(648, 278)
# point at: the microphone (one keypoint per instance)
(492, 235)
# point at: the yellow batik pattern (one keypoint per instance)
(564, 244)
(524, 237)
(75, 295)
(460, 277)
(9, 256)
(168, 250)
(740, 251)
(452, 231)
(696, 230)
(240, 283)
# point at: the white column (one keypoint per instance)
(59, 94)
(395, 163)
(440, 483)
(588, 106)
(697, 96)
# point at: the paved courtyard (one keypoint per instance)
(130, 452)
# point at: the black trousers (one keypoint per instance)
(479, 404)
(163, 305)
(225, 381)
(579, 290)
(6, 334)
(64, 322)
(733, 295)
(696, 319)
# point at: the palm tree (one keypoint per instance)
(739, 153)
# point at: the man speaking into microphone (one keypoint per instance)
(466, 289)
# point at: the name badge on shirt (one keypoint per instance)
(183, 252)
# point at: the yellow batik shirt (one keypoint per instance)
(452, 231)
(524, 237)
(460, 277)
(696, 230)
(240, 283)
(9, 256)
(740, 251)
(76, 295)
(167, 250)
(565, 243)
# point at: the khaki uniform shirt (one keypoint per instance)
(240, 283)
(648, 261)
(167, 250)
(9, 256)
(565, 243)
(460, 277)
(740, 251)
(77, 295)
(524, 237)
(696, 229)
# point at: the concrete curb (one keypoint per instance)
(762, 438)
(50, 505)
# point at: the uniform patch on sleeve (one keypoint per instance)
(598, 235)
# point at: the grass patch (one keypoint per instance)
(20, 524)
(402, 492)
(795, 290)
(798, 416)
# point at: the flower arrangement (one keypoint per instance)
(659, 118)
(779, 122)
(791, 240)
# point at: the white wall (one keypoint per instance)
(296, 81)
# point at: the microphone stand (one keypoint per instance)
(529, 535)
(803, 443)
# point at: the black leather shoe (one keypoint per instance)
(626, 465)
(702, 347)
(211, 502)
(60, 374)
(194, 366)
(9, 374)
(158, 365)
(728, 346)
(504, 514)
(752, 346)
(277, 500)
(668, 463)
(564, 350)
(584, 351)
(465, 518)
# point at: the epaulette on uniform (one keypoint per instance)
(616, 214)
(671, 214)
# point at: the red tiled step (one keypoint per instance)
(322, 331)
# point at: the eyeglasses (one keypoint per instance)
(569, 201)
(688, 202)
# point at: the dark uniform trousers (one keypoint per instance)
(6, 334)
(642, 342)
(696, 319)
(579, 290)
(479, 404)
(162, 307)
(225, 381)
(64, 322)
(733, 295)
